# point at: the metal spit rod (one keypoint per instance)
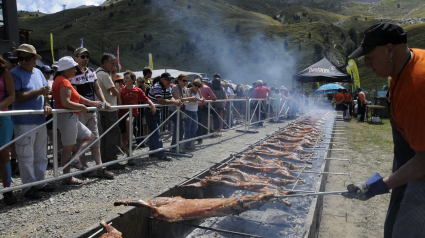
(97, 232)
(310, 194)
(219, 230)
(349, 161)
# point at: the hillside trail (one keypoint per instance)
(370, 149)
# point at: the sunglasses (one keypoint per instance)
(119, 81)
(84, 56)
(28, 58)
(197, 85)
(184, 81)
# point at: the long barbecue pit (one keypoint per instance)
(238, 196)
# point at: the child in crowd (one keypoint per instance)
(130, 95)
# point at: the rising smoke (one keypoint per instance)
(242, 53)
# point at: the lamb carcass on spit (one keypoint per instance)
(280, 171)
(228, 182)
(257, 160)
(112, 232)
(236, 174)
(279, 154)
(180, 209)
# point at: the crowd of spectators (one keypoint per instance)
(71, 84)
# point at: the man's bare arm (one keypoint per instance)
(412, 170)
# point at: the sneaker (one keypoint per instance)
(47, 189)
(131, 162)
(33, 194)
(189, 147)
(200, 142)
(9, 198)
(115, 167)
(165, 158)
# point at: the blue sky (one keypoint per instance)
(52, 6)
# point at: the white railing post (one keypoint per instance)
(55, 144)
(178, 131)
(209, 117)
(130, 133)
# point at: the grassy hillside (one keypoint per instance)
(243, 40)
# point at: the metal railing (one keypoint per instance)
(247, 123)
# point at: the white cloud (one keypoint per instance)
(52, 6)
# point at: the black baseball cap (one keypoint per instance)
(166, 76)
(378, 35)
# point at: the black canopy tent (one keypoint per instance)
(321, 71)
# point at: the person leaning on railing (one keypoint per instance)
(220, 94)
(130, 95)
(208, 94)
(159, 94)
(66, 97)
(30, 88)
(191, 126)
(7, 96)
(85, 82)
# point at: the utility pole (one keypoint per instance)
(64, 7)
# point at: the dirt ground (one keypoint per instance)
(370, 148)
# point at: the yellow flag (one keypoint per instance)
(318, 84)
(150, 61)
(354, 72)
(51, 45)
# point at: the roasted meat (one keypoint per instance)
(257, 160)
(220, 182)
(180, 209)
(279, 144)
(235, 174)
(284, 147)
(290, 139)
(281, 171)
(112, 232)
(278, 154)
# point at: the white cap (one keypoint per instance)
(282, 88)
(65, 63)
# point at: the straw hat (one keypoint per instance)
(198, 81)
(26, 48)
(118, 77)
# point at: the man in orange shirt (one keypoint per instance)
(340, 100)
(386, 53)
(361, 102)
(348, 98)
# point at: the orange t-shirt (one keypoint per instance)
(408, 101)
(362, 98)
(347, 97)
(339, 97)
(59, 83)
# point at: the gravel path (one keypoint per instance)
(72, 209)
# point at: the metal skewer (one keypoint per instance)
(310, 194)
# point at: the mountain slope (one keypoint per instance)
(243, 40)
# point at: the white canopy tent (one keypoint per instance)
(173, 72)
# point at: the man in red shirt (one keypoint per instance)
(385, 51)
(262, 92)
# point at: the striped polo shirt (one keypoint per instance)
(159, 91)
